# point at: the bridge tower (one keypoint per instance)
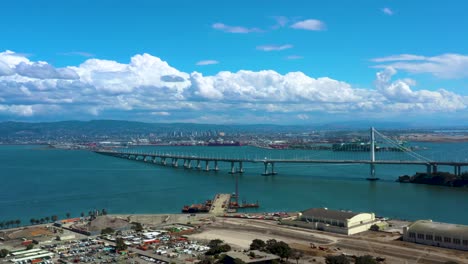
(372, 155)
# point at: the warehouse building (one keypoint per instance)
(437, 234)
(341, 222)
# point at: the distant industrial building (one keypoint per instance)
(437, 234)
(341, 222)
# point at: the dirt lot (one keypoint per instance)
(240, 232)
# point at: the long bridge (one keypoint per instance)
(200, 162)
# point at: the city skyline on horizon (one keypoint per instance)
(283, 63)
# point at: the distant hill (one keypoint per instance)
(116, 127)
(110, 128)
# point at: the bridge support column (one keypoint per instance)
(189, 164)
(185, 163)
(233, 169)
(241, 167)
(163, 161)
(434, 169)
(216, 165)
(272, 172)
(207, 165)
(198, 164)
(155, 159)
(428, 169)
(372, 173)
(175, 162)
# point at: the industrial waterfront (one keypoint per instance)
(42, 181)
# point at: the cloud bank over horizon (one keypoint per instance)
(148, 88)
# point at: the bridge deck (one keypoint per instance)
(322, 161)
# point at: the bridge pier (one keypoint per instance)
(266, 172)
(216, 165)
(241, 167)
(163, 161)
(372, 173)
(457, 170)
(175, 162)
(198, 164)
(434, 169)
(372, 156)
(207, 165)
(233, 169)
(189, 164)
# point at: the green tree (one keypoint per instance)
(107, 230)
(32, 221)
(82, 214)
(330, 259)
(216, 247)
(215, 243)
(257, 244)
(120, 244)
(104, 211)
(374, 227)
(17, 222)
(47, 219)
(366, 259)
(54, 218)
(2, 224)
(206, 260)
(4, 253)
(137, 226)
(280, 248)
(68, 215)
(42, 220)
(30, 246)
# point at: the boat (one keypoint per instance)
(224, 144)
(195, 208)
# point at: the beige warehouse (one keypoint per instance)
(437, 234)
(342, 222)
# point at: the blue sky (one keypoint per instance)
(234, 61)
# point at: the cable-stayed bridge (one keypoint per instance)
(378, 149)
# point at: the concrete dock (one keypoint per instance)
(220, 204)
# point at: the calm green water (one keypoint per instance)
(36, 183)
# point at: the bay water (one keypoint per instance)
(36, 182)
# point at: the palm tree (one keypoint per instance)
(104, 212)
(68, 215)
(47, 219)
(17, 222)
(54, 218)
(42, 220)
(82, 214)
(2, 224)
(32, 221)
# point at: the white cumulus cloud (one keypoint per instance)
(309, 24)
(149, 86)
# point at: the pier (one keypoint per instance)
(220, 204)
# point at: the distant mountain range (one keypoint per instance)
(117, 127)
